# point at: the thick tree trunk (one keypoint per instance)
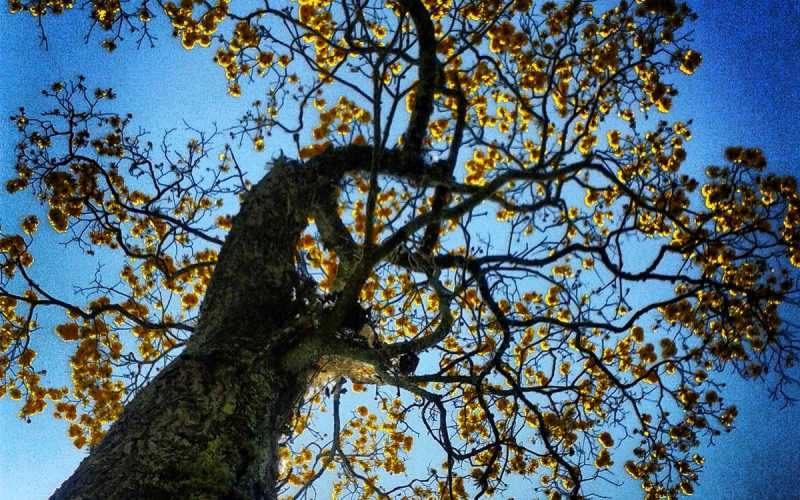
(208, 426)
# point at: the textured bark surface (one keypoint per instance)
(206, 428)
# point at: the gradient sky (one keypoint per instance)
(746, 92)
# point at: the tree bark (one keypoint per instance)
(206, 428)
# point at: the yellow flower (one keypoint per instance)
(58, 220)
(67, 331)
(29, 224)
(603, 459)
(613, 138)
(265, 59)
(632, 469)
(605, 440)
(664, 104)
(224, 222)
(562, 271)
(690, 61)
(189, 300)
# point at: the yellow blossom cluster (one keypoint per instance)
(613, 137)
(93, 388)
(316, 17)
(477, 10)
(749, 157)
(660, 94)
(37, 9)
(152, 343)
(63, 203)
(481, 163)
(64, 191)
(504, 37)
(562, 271)
(18, 376)
(344, 118)
(195, 32)
(15, 251)
(690, 60)
(532, 73)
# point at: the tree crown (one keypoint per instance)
(497, 180)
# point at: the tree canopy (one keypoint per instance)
(495, 184)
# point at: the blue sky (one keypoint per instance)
(746, 92)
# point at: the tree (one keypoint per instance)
(465, 123)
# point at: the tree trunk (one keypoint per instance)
(208, 426)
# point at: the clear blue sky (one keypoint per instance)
(746, 92)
